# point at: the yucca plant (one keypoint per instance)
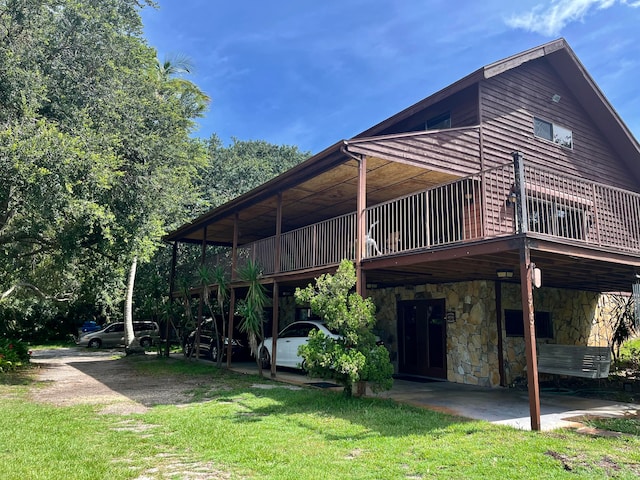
(252, 307)
(221, 279)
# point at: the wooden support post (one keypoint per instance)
(522, 225)
(499, 319)
(360, 224)
(232, 307)
(234, 251)
(274, 328)
(172, 286)
(203, 259)
(278, 250)
(528, 318)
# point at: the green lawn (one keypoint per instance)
(233, 429)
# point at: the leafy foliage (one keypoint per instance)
(624, 321)
(252, 307)
(13, 354)
(356, 356)
(96, 161)
(243, 165)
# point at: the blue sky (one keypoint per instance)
(312, 73)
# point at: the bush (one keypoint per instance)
(355, 357)
(13, 354)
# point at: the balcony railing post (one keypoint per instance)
(522, 221)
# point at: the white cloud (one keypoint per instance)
(550, 19)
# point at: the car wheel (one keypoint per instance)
(265, 358)
(303, 366)
(214, 352)
(145, 342)
(95, 343)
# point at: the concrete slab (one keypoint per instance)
(502, 406)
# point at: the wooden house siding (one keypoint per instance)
(462, 107)
(455, 151)
(508, 104)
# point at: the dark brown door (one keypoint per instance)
(422, 338)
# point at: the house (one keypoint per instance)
(450, 210)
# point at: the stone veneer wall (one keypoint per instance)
(472, 339)
(472, 354)
(578, 318)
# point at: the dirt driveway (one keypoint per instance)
(83, 376)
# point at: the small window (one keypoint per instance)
(552, 132)
(439, 122)
(514, 325)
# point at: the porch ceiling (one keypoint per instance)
(326, 195)
(563, 266)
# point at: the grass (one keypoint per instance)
(233, 429)
(629, 426)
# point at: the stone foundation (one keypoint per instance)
(472, 338)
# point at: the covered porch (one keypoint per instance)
(515, 217)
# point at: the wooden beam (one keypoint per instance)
(528, 318)
(274, 329)
(278, 251)
(360, 223)
(498, 287)
(234, 251)
(172, 286)
(232, 307)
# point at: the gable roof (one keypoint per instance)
(259, 208)
(566, 64)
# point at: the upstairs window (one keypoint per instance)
(552, 132)
(440, 122)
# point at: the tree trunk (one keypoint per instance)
(132, 345)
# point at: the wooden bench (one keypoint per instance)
(574, 360)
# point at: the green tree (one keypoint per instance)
(244, 165)
(96, 158)
(355, 357)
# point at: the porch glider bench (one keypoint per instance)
(574, 360)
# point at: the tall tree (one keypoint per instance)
(96, 161)
(243, 165)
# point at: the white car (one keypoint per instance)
(113, 335)
(289, 339)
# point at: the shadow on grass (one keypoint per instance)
(153, 381)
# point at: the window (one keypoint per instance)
(556, 218)
(439, 122)
(552, 132)
(514, 325)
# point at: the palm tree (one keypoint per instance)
(193, 100)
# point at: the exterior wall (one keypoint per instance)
(578, 318)
(462, 106)
(508, 103)
(472, 339)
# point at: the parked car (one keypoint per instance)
(90, 326)
(289, 339)
(208, 345)
(112, 335)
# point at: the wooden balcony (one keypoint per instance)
(475, 208)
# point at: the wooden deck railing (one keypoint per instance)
(320, 244)
(476, 207)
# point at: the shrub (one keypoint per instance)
(13, 354)
(356, 356)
